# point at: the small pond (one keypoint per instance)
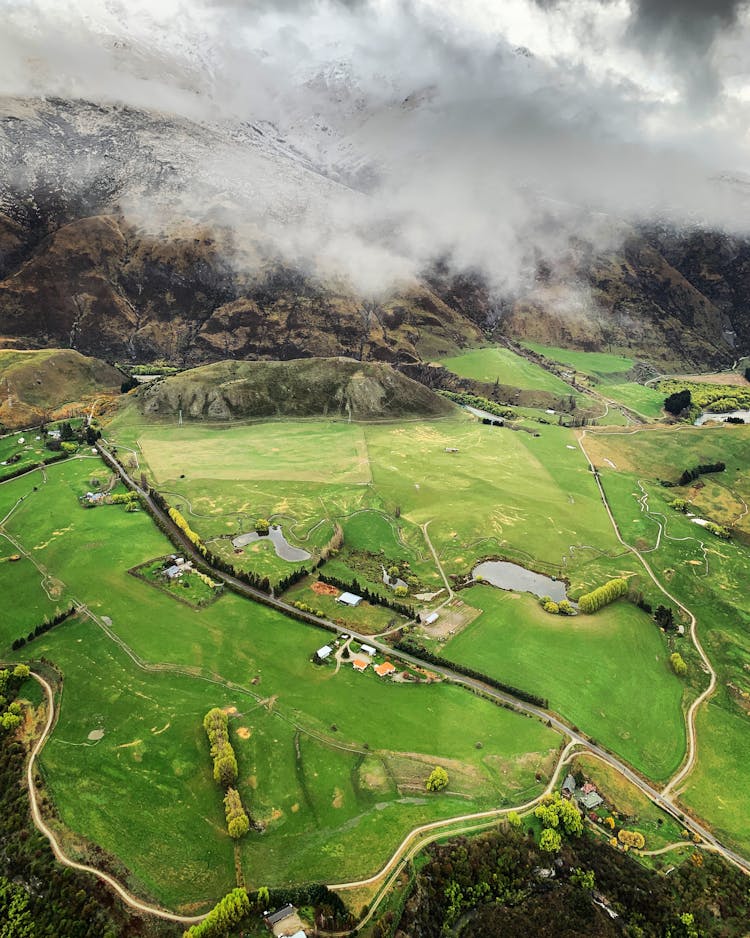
(511, 576)
(707, 415)
(281, 545)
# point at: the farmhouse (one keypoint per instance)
(591, 800)
(349, 599)
(285, 923)
(368, 649)
(360, 664)
(179, 567)
(384, 669)
(324, 652)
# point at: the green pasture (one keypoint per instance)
(607, 673)
(265, 657)
(608, 371)
(602, 364)
(502, 365)
(257, 452)
(717, 595)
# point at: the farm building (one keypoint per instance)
(324, 652)
(384, 669)
(349, 599)
(360, 664)
(432, 617)
(569, 785)
(285, 923)
(171, 573)
(368, 649)
(591, 800)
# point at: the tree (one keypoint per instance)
(401, 591)
(437, 779)
(514, 819)
(21, 671)
(678, 664)
(586, 879)
(263, 898)
(678, 402)
(262, 526)
(664, 617)
(551, 607)
(632, 839)
(66, 431)
(550, 840)
(15, 917)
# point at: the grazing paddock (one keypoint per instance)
(305, 729)
(258, 452)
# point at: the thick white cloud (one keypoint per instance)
(479, 130)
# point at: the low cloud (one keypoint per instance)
(399, 132)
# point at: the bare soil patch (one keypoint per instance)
(324, 589)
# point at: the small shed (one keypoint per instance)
(324, 652)
(569, 785)
(349, 599)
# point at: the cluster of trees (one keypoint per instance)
(417, 650)
(631, 839)
(11, 711)
(372, 596)
(676, 403)
(563, 608)
(664, 617)
(690, 475)
(437, 780)
(678, 664)
(216, 725)
(131, 500)
(717, 530)
(238, 823)
(305, 607)
(189, 533)
(70, 439)
(493, 880)
(44, 626)
(224, 918)
(603, 595)
(481, 403)
(558, 816)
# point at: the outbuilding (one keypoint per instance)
(368, 650)
(349, 599)
(324, 652)
(432, 617)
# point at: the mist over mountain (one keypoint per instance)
(376, 151)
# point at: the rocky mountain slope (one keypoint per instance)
(308, 387)
(134, 236)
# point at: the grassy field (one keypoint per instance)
(506, 367)
(349, 751)
(501, 492)
(607, 673)
(256, 452)
(608, 372)
(708, 574)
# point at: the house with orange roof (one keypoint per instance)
(384, 669)
(360, 664)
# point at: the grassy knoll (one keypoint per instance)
(609, 372)
(353, 807)
(251, 453)
(711, 582)
(503, 365)
(608, 673)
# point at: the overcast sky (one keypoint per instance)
(481, 119)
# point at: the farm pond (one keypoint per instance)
(511, 576)
(281, 545)
(706, 416)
